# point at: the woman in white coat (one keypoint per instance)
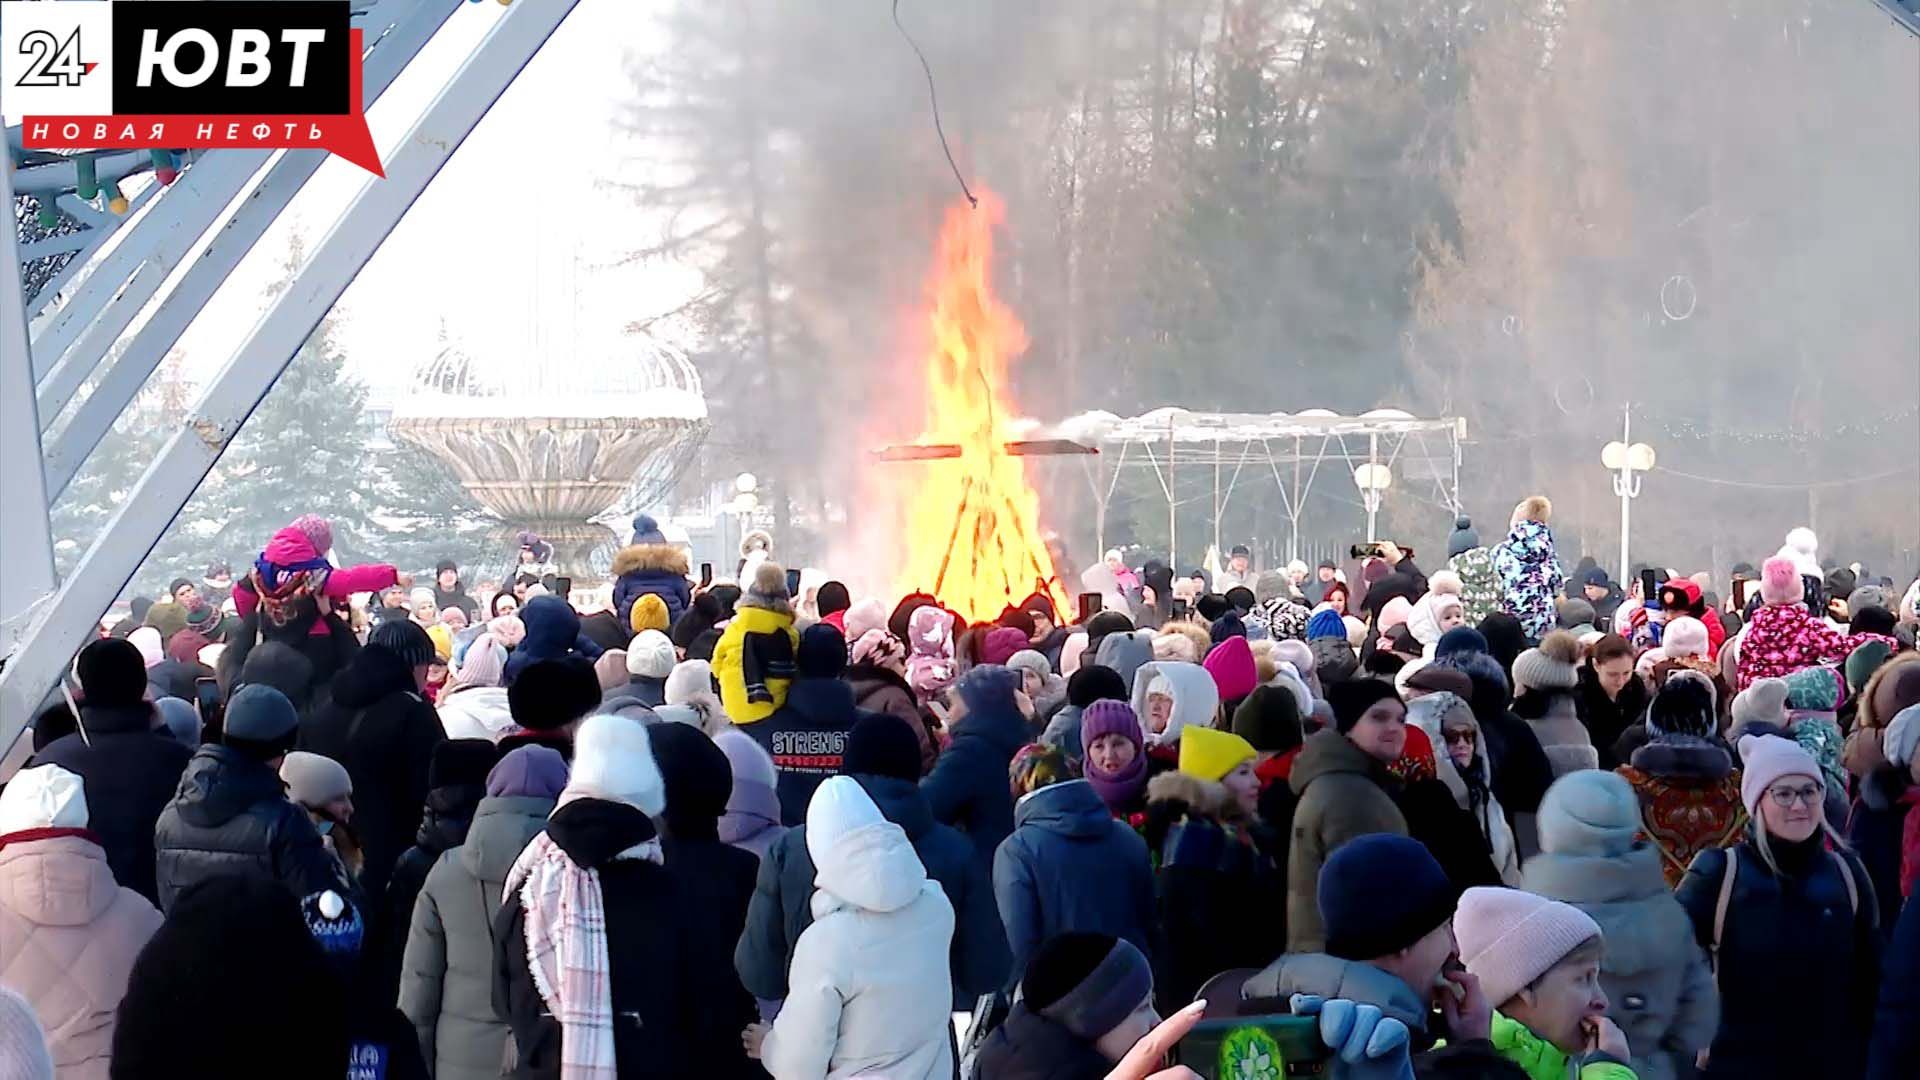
(869, 993)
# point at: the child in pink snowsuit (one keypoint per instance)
(301, 548)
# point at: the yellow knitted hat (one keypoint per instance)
(1210, 753)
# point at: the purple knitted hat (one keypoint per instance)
(1106, 717)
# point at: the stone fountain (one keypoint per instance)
(553, 447)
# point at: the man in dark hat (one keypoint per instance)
(129, 767)
(231, 814)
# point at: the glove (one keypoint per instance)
(1370, 1044)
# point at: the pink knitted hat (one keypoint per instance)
(1509, 938)
(1231, 665)
(1780, 582)
(1764, 759)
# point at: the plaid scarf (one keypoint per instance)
(566, 930)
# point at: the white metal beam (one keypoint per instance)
(234, 394)
(26, 542)
(120, 383)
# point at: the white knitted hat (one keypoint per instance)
(23, 1045)
(650, 655)
(613, 760)
(45, 796)
(1509, 938)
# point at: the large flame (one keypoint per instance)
(972, 532)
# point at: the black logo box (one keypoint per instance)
(326, 91)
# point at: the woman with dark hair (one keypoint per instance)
(1611, 698)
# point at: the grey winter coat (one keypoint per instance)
(1659, 987)
(446, 978)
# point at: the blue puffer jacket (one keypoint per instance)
(553, 631)
(1798, 927)
(968, 785)
(782, 899)
(660, 569)
(1070, 866)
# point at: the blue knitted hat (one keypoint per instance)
(1379, 894)
(1326, 623)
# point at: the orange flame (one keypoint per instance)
(972, 532)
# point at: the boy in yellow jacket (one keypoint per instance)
(754, 659)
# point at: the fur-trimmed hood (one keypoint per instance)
(668, 557)
(1200, 796)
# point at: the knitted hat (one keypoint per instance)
(1685, 636)
(881, 744)
(1269, 720)
(1018, 618)
(867, 614)
(537, 772)
(767, 589)
(23, 1044)
(1460, 639)
(334, 923)
(261, 719)
(204, 618)
(1295, 652)
(1231, 665)
(1379, 894)
(1035, 766)
(649, 612)
(404, 638)
(690, 681)
(1682, 706)
(1030, 660)
(167, 617)
(1871, 618)
(611, 671)
(317, 530)
(461, 763)
(1463, 537)
(1815, 689)
(650, 655)
(1326, 624)
(1110, 717)
(550, 694)
(613, 760)
(1576, 612)
(1764, 759)
(1087, 983)
(314, 780)
(748, 761)
(1000, 645)
(1589, 812)
(148, 643)
(112, 673)
(1394, 612)
(1899, 743)
(1095, 682)
(1764, 701)
(1351, 699)
(876, 646)
(1210, 753)
(1435, 678)
(646, 530)
(1510, 938)
(1780, 582)
(179, 720)
(822, 653)
(1553, 665)
(45, 796)
(696, 777)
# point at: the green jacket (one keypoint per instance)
(1544, 1061)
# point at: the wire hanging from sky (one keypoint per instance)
(1842, 482)
(933, 96)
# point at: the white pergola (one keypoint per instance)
(1289, 448)
(164, 259)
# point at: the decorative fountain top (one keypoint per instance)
(554, 444)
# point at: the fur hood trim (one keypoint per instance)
(650, 557)
(1201, 796)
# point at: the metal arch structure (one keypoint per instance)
(49, 363)
(1289, 447)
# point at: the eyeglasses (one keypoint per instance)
(1785, 797)
(1464, 738)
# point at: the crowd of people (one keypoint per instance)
(1507, 818)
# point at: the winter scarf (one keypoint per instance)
(566, 930)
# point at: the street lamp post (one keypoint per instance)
(1373, 479)
(1626, 458)
(746, 500)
